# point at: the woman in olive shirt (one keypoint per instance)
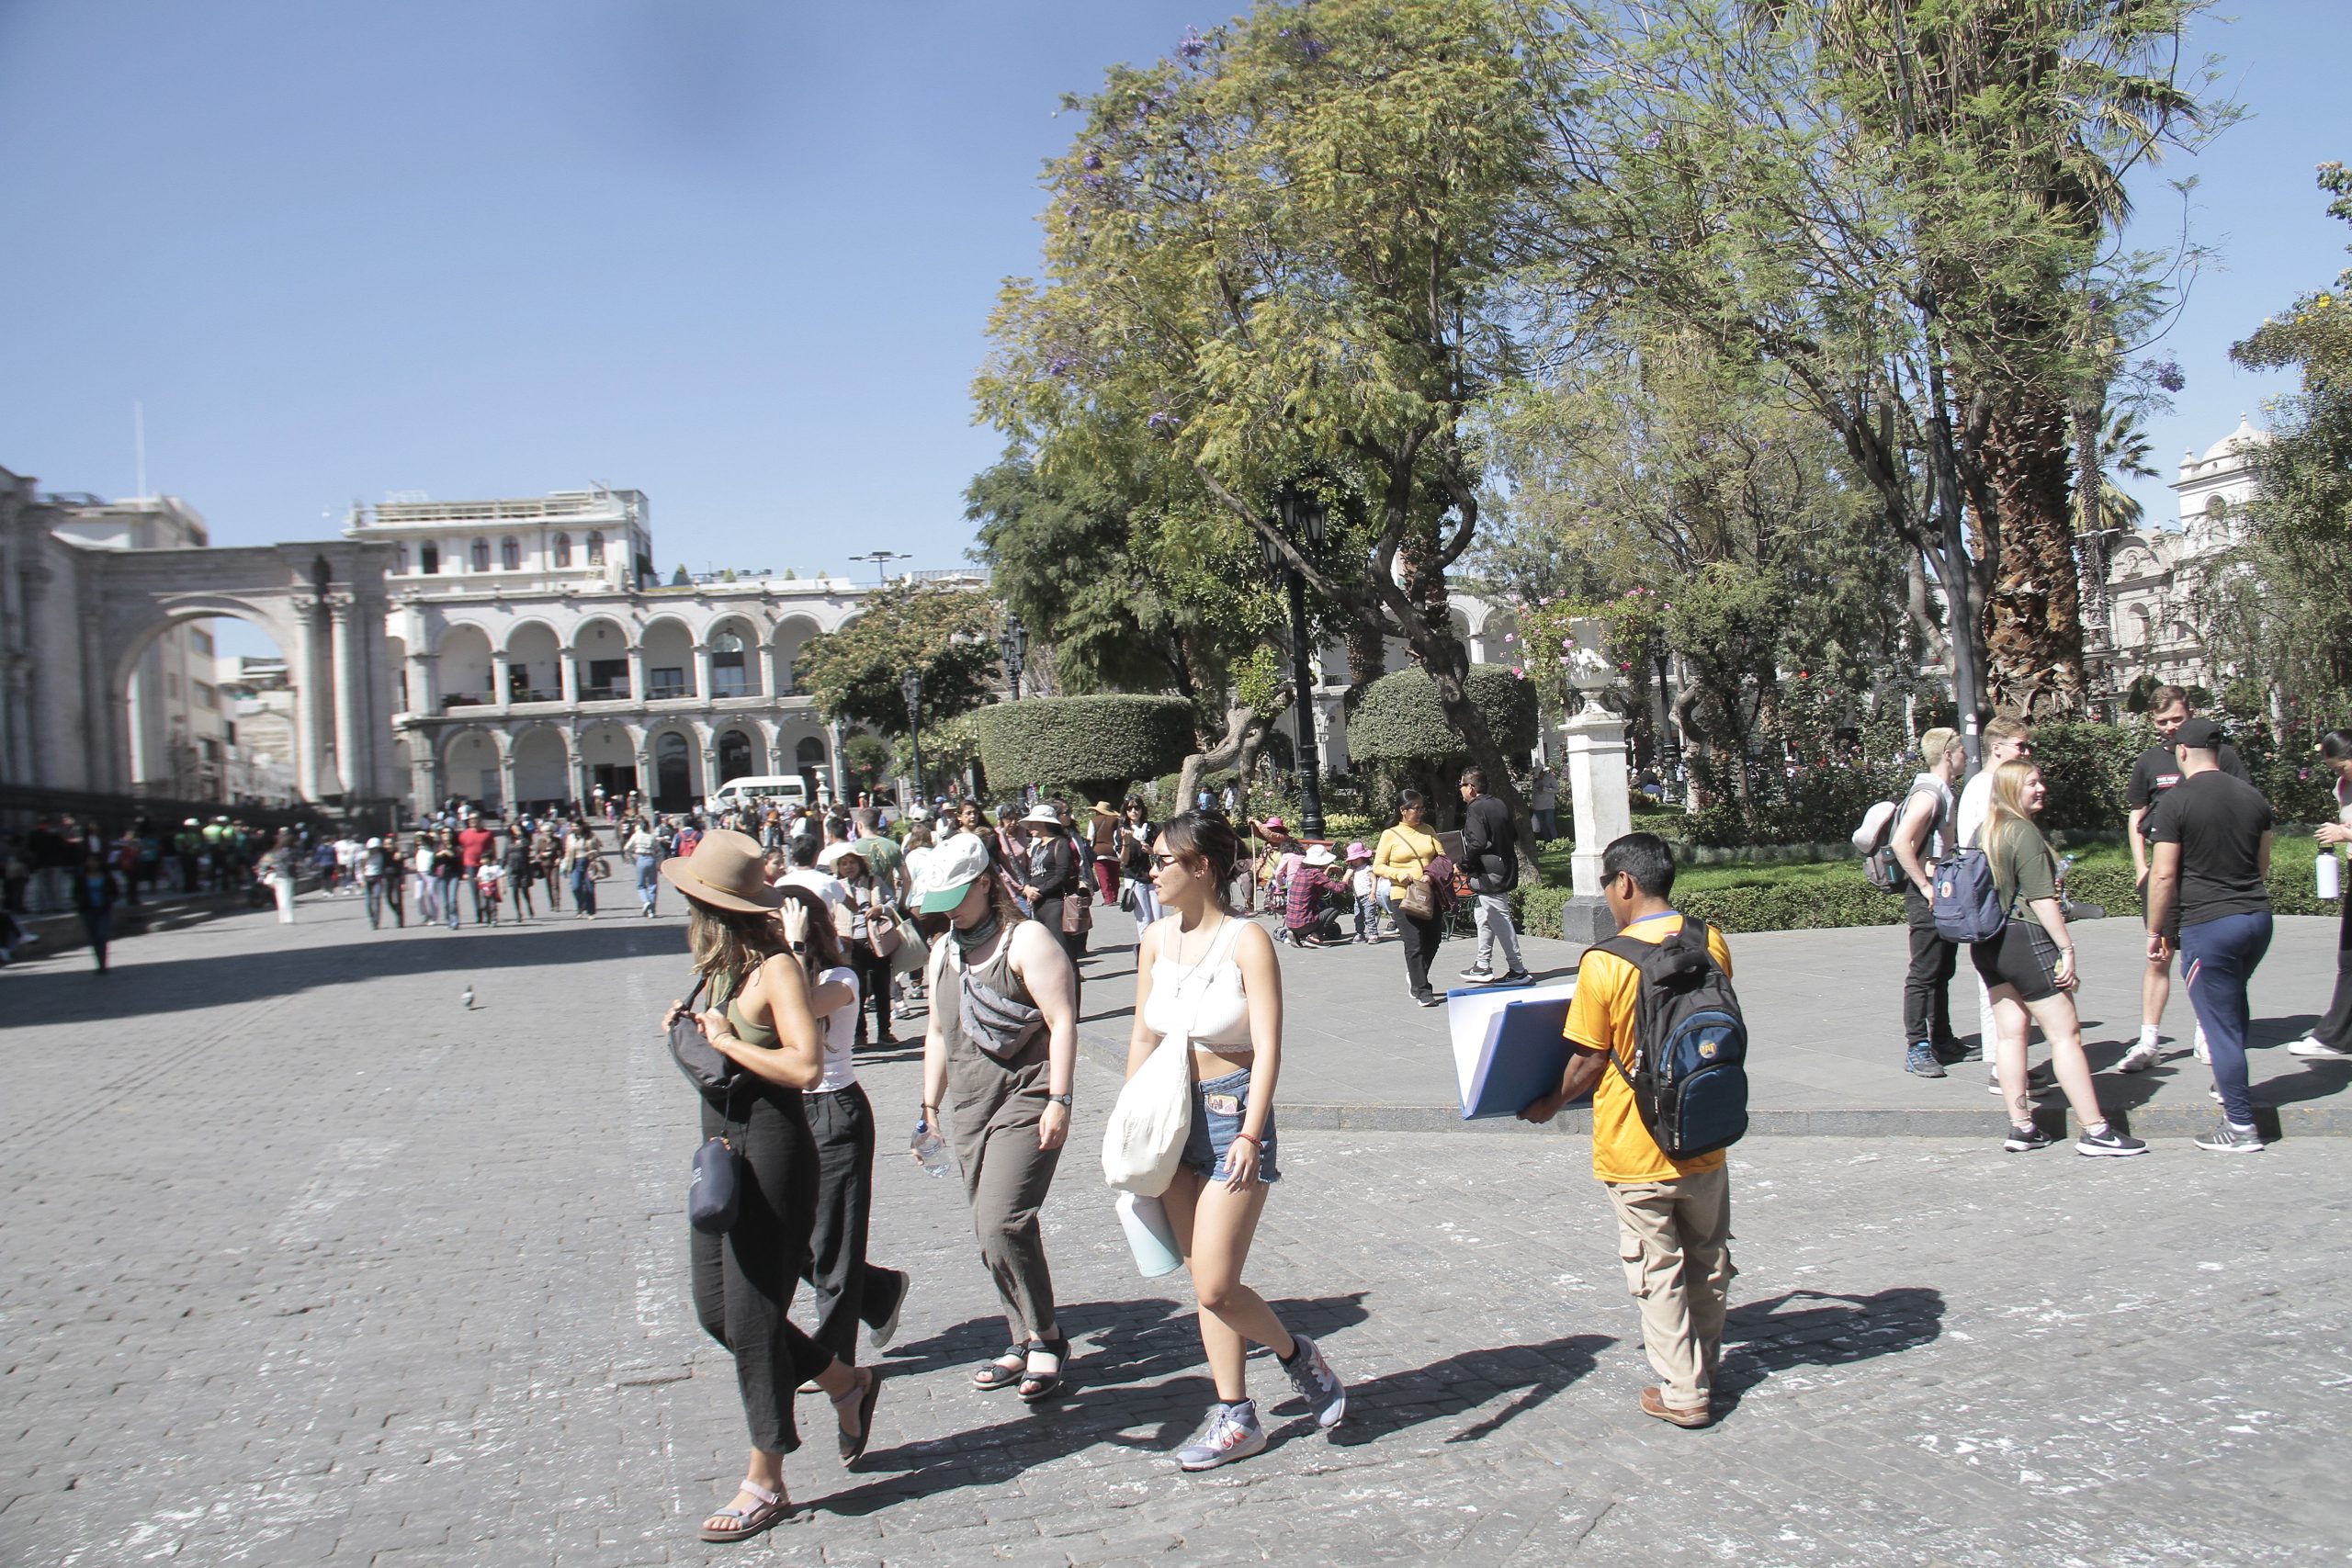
(2028, 969)
(1402, 857)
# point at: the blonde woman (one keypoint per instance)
(1212, 975)
(2029, 970)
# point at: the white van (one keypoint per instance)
(780, 789)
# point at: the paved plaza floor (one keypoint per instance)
(307, 1262)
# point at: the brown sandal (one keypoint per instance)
(771, 1508)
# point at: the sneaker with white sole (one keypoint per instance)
(2111, 1142)
(1231, 1432)
(2225, 1139)
(1316, 1383)
(2025, 1137)
(1478, 975)
(2313, 1046)
(882, 1333)
(2139, 1058)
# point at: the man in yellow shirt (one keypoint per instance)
(1673, 1216)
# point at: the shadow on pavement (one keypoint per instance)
(138, 989)
(1776, 1335)
(1459, 1382)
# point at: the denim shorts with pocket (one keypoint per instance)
(1218, 1106)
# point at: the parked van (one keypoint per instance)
(778, 789)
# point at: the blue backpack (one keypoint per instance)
(1967, 905)
(1689, 1072)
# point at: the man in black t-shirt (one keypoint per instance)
(2209, 900)
(2153, 773)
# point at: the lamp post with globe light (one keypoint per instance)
(1303, 517)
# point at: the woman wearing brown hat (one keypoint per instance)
(1000, 1055)
(761, 1019)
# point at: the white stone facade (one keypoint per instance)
(2154, 575)
(539, 660)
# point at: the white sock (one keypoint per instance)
(2148, 1035)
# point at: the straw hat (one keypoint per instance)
(833, 854)
(725, 871)
(1044, 815)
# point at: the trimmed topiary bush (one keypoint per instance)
(1093, 746)
(1399, 723)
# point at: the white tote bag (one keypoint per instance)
(1145, 1142)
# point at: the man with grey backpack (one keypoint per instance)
(1922, 836)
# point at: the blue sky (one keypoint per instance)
(738, 255)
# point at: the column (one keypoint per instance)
(1596, 772)
(637, 677)
(350, 697)
(569, 669)
(313, 775)
(425, 682)
(502, 680)
(505, 744)
(574, 770)
(702, 671)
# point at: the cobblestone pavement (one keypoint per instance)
(304, 1262)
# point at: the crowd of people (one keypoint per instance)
(2200, 837)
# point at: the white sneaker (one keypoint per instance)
(2311, 1045)
(2139, 1058)
(2204, 1052)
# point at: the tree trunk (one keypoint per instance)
(1367, 661)
(2032, 617)
(1245, 729)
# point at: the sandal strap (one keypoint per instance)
(768, 1498)
(856, 1391)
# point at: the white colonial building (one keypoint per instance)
(539, 660)
(2156, 574)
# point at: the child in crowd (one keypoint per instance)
(1360, 883)
(491, 879)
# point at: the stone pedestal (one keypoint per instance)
(1595, 766)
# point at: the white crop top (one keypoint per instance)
(1204, 1000)
(839, 1027)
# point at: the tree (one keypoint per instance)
(1097, 745)
(2289, 620)
(1283, 255)
(1874, 200)
(948, 633)
(866, 762)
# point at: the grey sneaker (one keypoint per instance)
(2108, 1142)
(1231, 1432)
(2139, 1058)
(1921, 1062)
(1478, 973)
(1315, 1381)
(2225, 1139)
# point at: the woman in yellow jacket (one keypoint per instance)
(1402, 857)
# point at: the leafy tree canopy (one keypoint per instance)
(947, 634)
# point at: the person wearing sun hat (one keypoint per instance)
(1308, 894)
(1102, 838)
(1001, 1053)
(760, 1018)
(1049, 876)
(854, 917)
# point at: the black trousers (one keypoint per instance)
(2336, 1027)
(849, 1290)
(873, 988)
(743, 1281)
(1420, 938)
(1927, 989)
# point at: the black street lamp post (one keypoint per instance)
(910, 687)
(1014, 646)
(1302, 518)
(1669, 745)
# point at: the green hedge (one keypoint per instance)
(1399, 720)
(1093, 746)
(1793, 906)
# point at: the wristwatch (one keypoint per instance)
(1060, 1099)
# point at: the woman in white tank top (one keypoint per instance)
(1207, 976)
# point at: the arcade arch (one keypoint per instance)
(601, 660)
(792, 634)
(533, 663)
(669, 658)
(542, 768)
(464, 666)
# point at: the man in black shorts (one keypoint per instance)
(2156, 771)
(2209, 900)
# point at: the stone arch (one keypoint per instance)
(738, 649)
(740, 750)
(608, 756)
(542, 766)
(534, 662)
(675, 773)
(462, 655)
(667, 644)
(600, 648)
(472, 762)
(792, 634)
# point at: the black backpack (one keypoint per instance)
(1689, 1072)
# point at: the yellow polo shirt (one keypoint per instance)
(1601, 1017)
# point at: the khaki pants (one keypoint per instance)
(1674, 1238)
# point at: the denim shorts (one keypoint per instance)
(1214, 1126)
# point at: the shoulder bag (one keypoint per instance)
(714, 1187)
(706, 1066)
(1420, 898)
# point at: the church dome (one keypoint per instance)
(2244, 437)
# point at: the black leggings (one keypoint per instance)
(743, 1281)
(1421, 938)
(848, 1290)
(2336, 1026)
(873, 986)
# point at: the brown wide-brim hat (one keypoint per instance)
(727, 871)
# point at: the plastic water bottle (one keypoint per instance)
(929, 1149)
(2330, 883)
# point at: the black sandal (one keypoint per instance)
(1035, 1388)
(853, 1447)
(996, 1374)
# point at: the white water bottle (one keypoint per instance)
(929, 1149)
(2330, 884)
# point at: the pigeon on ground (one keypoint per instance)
(469, 998)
